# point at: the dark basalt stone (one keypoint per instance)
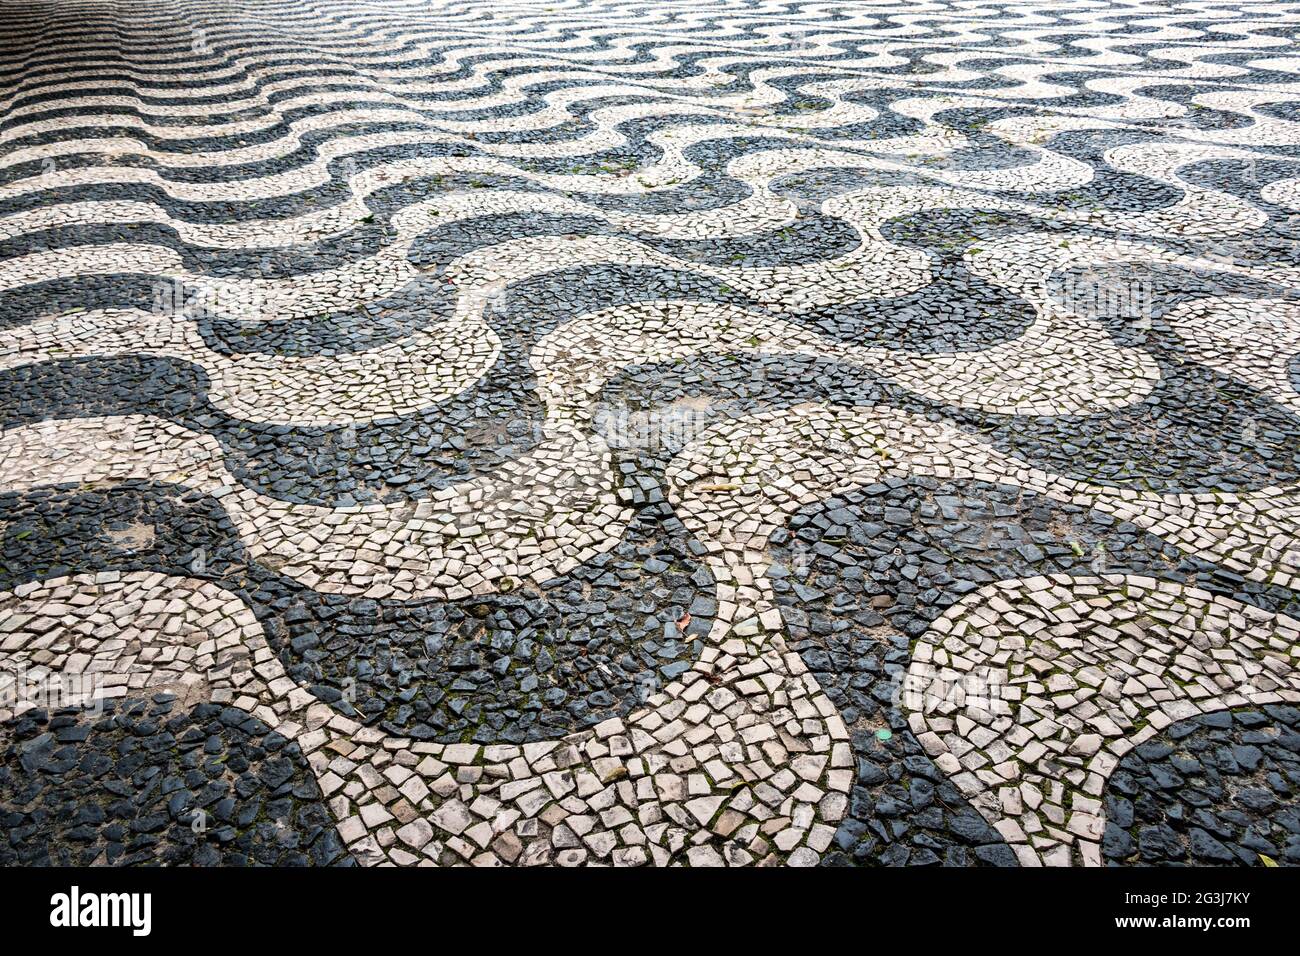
(126, 789)
(1236, 806)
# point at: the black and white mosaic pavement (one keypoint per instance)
(443, 432)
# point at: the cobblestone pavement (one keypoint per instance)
(689, 432)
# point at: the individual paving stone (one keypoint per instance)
(1214, 790)
(146, 782)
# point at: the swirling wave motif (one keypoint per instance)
(649, 433)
